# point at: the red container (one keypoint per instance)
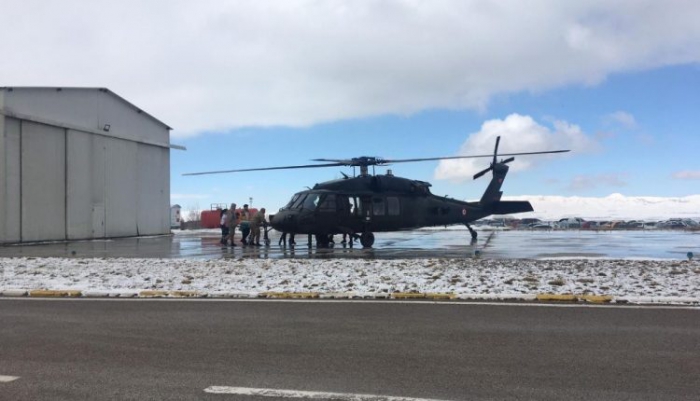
(211, 218)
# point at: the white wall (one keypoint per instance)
(10, 201)
(151, 190)
(87, 108)
(43, 189)
(121, 188)
(58, 183)
(85, 185)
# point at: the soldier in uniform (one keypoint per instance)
(258, 221)
(232, 221)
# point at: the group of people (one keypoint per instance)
(248, 223)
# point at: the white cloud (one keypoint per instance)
(623, 118)
(687, 175)
(518, 134)
(213, 64)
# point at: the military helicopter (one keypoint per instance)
(369, 203)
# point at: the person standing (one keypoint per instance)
(223, 224)
(258, 221)
(232, 221)
(245, 224)
(283, 239)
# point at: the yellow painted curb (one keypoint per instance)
(55, 293)
(153, 294)
(408, 295)
(596, 299)
(187, 294)
(557, 297)
(440, 295)
(291, 295)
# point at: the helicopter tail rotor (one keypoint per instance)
(504, 161)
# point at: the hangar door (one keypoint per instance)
(43, 182)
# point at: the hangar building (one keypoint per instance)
(80, 163)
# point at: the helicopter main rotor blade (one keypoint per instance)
(384, 161)
(368, 161)
(268, 168)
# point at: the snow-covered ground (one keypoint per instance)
(629, 278)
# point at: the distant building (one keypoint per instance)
(175, 216)
(80, 163)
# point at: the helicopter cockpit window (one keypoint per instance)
(378, 206)
(292, 201)
(310, 202)
(328, 204)
(298, 201)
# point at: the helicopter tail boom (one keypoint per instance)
(511, 207)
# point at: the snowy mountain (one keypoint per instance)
(612, 207)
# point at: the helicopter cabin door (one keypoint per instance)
(386, 213)
(327, 211)
(345, 212)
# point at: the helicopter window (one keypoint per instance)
(328, 204)
(310, 202)
(393, 206)
(378, 206)
(291, 202)
(299, 201)
(356, 206)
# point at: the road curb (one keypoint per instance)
(290, 295)
(55, 293)
(14, 293)
(542, 297)
(557, 297)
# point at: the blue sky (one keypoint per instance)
(249, 83)
(645, 122)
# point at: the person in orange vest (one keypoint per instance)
(245, 224)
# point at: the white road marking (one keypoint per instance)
(270, 392)
(7, 379)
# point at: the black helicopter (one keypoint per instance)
(362, 205)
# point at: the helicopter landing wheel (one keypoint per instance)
(472, 232)
(367, 239)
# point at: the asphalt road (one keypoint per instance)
(168, 349)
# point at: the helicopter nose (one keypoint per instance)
(282, 221)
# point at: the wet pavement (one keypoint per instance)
(425, 243)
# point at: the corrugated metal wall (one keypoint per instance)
(62, 184)
(43, 176)
(10, 209)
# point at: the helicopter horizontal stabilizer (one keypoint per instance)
(508, 207)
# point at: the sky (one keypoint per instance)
(248, 84)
